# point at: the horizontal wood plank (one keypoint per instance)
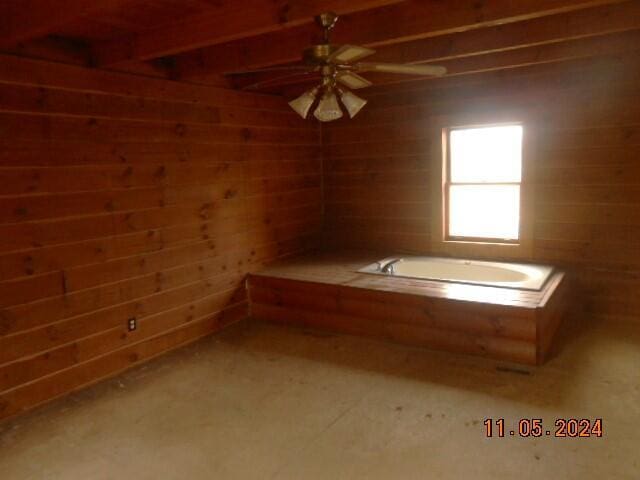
(129, 197)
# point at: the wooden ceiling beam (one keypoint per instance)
(233, 20)
(606, 45)
(410, 20)
(590, 22)
(28, 19)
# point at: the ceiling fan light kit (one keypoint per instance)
(328, 108)
(339, 64)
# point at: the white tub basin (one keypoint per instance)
(497, 274)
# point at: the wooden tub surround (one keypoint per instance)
(325, 291)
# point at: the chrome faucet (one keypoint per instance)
(387, 268)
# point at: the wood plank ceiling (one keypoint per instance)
(202, 40)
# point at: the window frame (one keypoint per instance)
(448, 183)
(497, 115)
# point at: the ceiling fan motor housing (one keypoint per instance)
(319, 54)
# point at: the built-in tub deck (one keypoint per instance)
(326, 291)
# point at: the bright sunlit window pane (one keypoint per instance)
(484, 211)
(486, 155)
(484, 178)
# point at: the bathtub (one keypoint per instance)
(475, 272)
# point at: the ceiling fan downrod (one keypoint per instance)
(327, 21)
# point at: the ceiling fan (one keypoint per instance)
(339, 67)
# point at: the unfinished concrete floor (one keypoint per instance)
(263, 402)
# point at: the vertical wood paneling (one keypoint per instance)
(123, 197)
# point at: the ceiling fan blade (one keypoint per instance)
(277, 68)
(350, 53)
(430, 70)
(353, 80)
(301, 76)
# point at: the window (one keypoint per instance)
(482, 185)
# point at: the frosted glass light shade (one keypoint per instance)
(352, 102)
(303, 103)
(328, 108)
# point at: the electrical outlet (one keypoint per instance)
(132, 324)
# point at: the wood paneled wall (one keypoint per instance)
(129, 197)
(586, 174)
